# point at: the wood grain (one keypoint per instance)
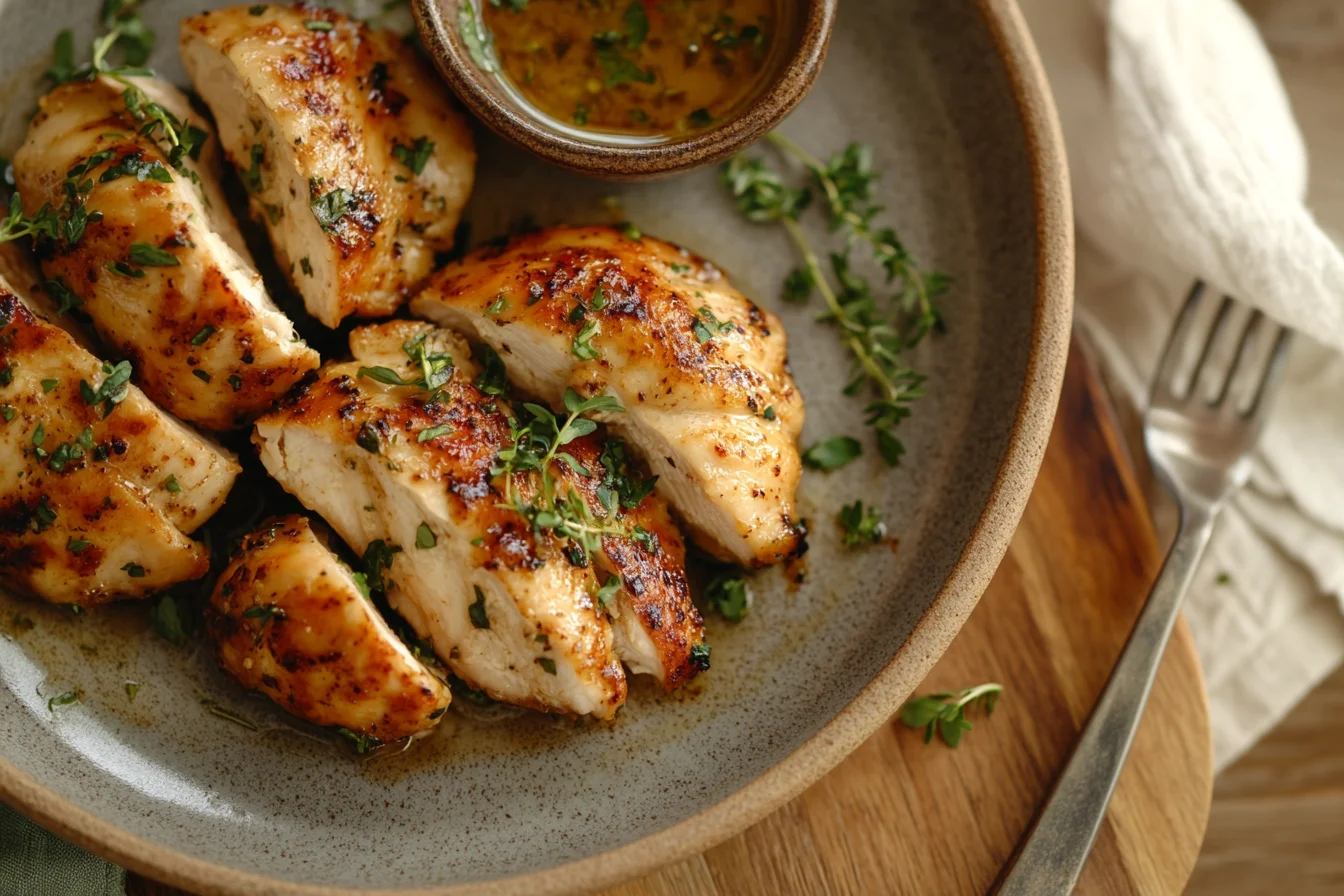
(900, 816)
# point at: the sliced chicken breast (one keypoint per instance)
(101, 488)
(160, 267)
(288, 619)
(355, 155)
(701, 371)
(503, 608)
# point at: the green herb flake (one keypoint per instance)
(306, 266)
(946, 711)
(474, 37)
(171, 484)
(367, 438)
(152, 256)
(700, 656)
(547, 664)
(330, 208)
(500, 303)
(167, 619)
(221, 713)
(317, 25)
(201, 375)
(77, 545)
(360, 743)
(582, 346)
(424, 537)
(257, 10)
(134, 570)
(132, 688)
(433, 432)
(8, 412)
(832, 453)
(859, 526)
(49, 384)
(476, 611)
(414, 157)
(235, 382)
(63, 700)
(728, 595)
(202, 335)
(608, 591)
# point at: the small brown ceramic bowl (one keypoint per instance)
(442, 24)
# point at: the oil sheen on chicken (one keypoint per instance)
(160, 268)
(101, 488)
(511, 610)
(352, 150)
(288, 619)
(700, 370)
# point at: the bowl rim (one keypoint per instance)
(641, 161)
(870, 708)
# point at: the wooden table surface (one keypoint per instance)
(899, 816)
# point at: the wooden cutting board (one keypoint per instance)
(900, 816)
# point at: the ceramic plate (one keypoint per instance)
(952, 97)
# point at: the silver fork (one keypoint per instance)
(1200, 448)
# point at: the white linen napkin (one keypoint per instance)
(1187, 162)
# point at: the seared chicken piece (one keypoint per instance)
(700, 370)
(288, 619)
(354, 154)
(513, 611)
(100, 487)
(160, 269)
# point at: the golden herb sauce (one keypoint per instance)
(645, 67)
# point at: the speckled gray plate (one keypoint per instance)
(952, 96)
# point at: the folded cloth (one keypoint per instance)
(1187, 162)
(34, 862)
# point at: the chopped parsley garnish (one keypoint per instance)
(306, 266)
(152, 256)
(7, 411)
(330, 208)
(433, 432)
(317, 25)
(547, 664)
(705, 325)
(134, 570)
(630, 231)
(63, 700)
(607, 592)
(112, 391)
(860, 526)
(235, 382)
(64, 297)
(414, 157)
(493, 378)
(201, 375)
(77, 545)
(500, 303)
(378, 557)
(582, 346)
(424, 537)
(728, 596)
(621, 486)
(946, 711)
(124, 269)
(700, 656)
(49, 384)
(769, 413)
(832, 453)
(252, 176)
(360, 743)
(132, 688)
(203, 334)
(43, 514)
(699, 118)
(367, 438)
(257, 10)
(167, 619)
(476, 611)
(263, 613)
(171, 484)
(581, 114)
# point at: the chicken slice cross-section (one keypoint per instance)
(515, 609)
(289, 619)
(701, 371)
(149, 252)
(354, 153)
(100, 487)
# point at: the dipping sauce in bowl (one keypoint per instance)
(628, 89)
(646, 68)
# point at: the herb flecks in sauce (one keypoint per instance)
(634, 67)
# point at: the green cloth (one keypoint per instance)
(34, 862)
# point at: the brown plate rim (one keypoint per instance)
(878, 700)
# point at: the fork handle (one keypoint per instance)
(1058, 844)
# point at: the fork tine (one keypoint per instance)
(1167, 368)
(1273, 372)
(1215, 333)
(1239, 361)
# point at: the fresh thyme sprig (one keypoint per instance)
(536, 447)
(946, 711)
(436, 368)
(876, 332)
